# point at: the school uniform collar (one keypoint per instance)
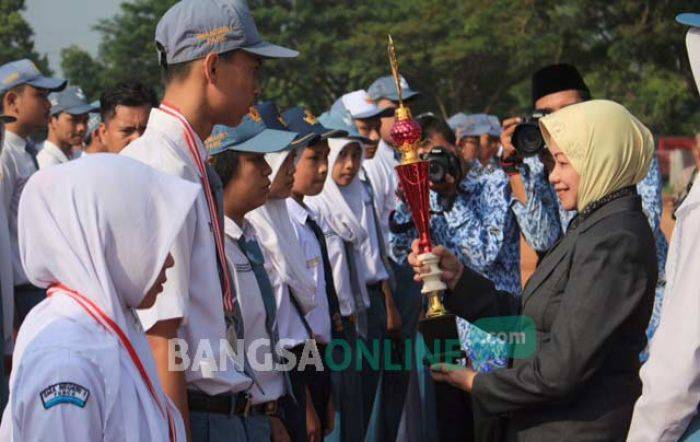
(14, 141)
(298, 212)
(171, 126)
(55, 151)
(234, 231)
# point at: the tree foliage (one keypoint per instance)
(16, 36)
(465, 55)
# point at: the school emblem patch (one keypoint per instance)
(64, 393)
(310, 118)
(254, 115)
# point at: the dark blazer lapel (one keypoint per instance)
(548, 264)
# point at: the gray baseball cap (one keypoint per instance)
(25, 71)
(70, 100)
(384, 87)
(193, 29)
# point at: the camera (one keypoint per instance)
(442, 163)
(527, 137)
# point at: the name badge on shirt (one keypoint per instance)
(312, 263)
(243, 268)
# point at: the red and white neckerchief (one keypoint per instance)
(218, 231)
(101, 317)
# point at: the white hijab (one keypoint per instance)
(275, 233)
(103, 226)
(692, 42)
(341, 207)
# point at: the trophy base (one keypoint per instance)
(441, 339)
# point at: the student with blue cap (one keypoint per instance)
(67, 126)
(242, 158)
(313, 417)
(23, 92)
(209, 52)
(366, 116)
(668, 406)
(93, 142)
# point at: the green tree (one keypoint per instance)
(83, 70)
(16, 36)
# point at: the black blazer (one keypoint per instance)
(590, 298)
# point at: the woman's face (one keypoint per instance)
(281, 186)
(157, 287)
(347, 164)
(564, 178)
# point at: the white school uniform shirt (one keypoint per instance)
(254, 314)
(382, 176)
(319, 318)
(341, 270)
(17, 166)
(193, 290)
(671, 375)
(374, 269)
(7, 290)
(51, 155)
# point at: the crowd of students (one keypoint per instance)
(212, 268)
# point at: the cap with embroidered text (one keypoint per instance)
(261, 131)
(193, 29)
(70, 100)
(24, 71)
(306, 124)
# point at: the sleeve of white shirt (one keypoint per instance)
(7, 180)
(36, 418)
(173, 302)
(671, 376)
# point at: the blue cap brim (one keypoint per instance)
(7, 119)
(268, 50)
(50, 84)
(81, 110)
(334, 133)
(689, 18)
(267, 141)
(306, 141)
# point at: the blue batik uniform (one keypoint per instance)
(650, 190)
(538, 218)
(483, 233)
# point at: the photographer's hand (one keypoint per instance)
(509, 126)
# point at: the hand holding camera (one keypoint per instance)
(445, 171)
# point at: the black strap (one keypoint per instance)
(297, 307)
(331, 294)
(31, 150)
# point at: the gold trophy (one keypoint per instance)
(439, 328)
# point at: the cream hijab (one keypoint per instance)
(607, 145)
(274, 230)
(102, 225)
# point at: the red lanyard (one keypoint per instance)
(218, 231)
(101, 317)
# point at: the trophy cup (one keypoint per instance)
(439, 328)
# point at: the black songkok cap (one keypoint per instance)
(557, 78)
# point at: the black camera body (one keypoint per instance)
(443, 163)
(527, 137)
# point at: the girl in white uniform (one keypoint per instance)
(97, 232)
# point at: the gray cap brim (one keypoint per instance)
(267, 141)
(394, 96)
(81, 110)
(48, 83)
(334, 133)
(306, 141)
(268, 50)
(7, 119)
(689, 18)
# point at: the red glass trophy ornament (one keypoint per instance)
(439, 328)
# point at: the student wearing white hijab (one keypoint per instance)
(82, 368)
(668, 407)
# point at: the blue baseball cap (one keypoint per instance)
(457, 120)
(384, 87)
(306, 124)
(261, 131)
(339, 118)
(689, 18)
(70, 100)
(25, 71)
(474, 125)
(361, 106)
(193, 29)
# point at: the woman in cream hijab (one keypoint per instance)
(584, 311)
(97, 232)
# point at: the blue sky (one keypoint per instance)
(60, 23)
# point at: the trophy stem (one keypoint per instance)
(435, 306)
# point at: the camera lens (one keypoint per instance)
(527, 139)
(436, 172)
